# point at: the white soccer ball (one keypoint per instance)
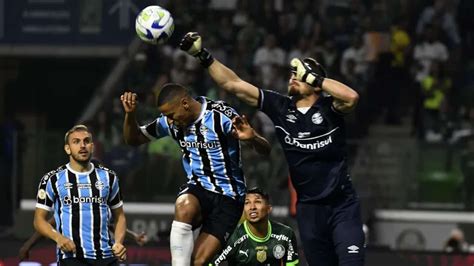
(154, 24)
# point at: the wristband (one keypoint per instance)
(205, 57)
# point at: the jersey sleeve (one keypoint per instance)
(115, 195)
(45, 196)
(292, 250)
(228, 113)
(271, 102)
(157, 129)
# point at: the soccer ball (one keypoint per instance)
(154, 24)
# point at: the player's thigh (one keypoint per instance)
(205, 248)
(315, 234)
(187, 209)
(348, 235)
(223, 216)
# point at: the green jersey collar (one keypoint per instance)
(256, 238)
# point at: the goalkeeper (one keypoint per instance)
(310, 126)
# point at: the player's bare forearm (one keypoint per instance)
(43, 227)
(131, 132)
(229, 81)
(260, 144)
(120, 225)
(345, 98)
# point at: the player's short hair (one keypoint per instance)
(74, 129)
(315, 66)
(170, 92)
(259, 191)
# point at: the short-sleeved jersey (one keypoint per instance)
(211, 155)
(314, 143)
(81, 202)
(277, 248)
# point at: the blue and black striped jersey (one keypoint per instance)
(211, 155)
(81, 203)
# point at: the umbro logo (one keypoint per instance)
(353, 249)
(291, 118)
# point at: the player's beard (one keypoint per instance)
(82, 159)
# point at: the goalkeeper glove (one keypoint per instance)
(304, 72)
(192, 44)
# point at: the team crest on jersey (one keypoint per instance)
(317, 118)
(261, 254)
(99, 185)
(278, 251)
(203, 129)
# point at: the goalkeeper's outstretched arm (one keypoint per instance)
(222, 75)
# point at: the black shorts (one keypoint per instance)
(220, 214)
(331, 230)
(82, 261)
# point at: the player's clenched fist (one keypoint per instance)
(119, 251)
(65, 244)
(305, 73)
(192, 44)
(129, 101)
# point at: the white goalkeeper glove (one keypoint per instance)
(192, 44)
(305, 73)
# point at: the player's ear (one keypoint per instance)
(270, 208)
(185, 103)
(67, 149)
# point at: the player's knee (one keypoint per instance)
(186, 210)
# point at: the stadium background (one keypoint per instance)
(410, 139)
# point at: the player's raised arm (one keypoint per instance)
(345, 98)
(222, 75)
(131, 132)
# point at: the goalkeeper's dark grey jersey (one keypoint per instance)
(277, 248)
(314, 144)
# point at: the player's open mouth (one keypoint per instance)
(253, 215)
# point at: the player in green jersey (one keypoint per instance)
(258, 240)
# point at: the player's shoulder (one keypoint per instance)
(101, 167)
(53, 173)
(280, 227)
(221, 107)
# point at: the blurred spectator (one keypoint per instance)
(439, 15)
(427, 51)
(328, 56)
(300, 49)
(250, 35)
(357, 54)
(456, 242)
(268, 56)
(434, 86)
(286, 34)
